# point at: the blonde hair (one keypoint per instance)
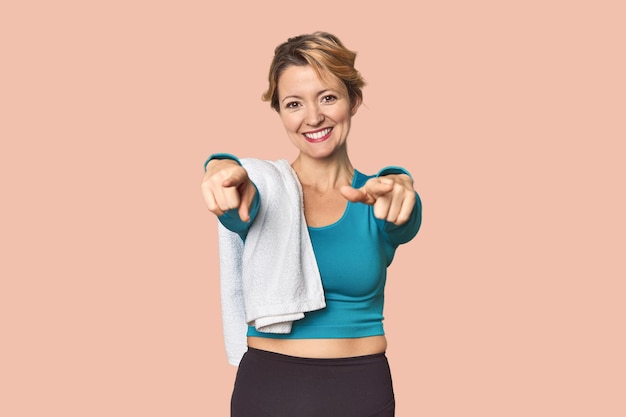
(325, 54)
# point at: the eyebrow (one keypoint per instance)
(326, 90)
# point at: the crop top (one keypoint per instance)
(352, 256)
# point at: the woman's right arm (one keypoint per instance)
(229, 193)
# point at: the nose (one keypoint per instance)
(314, 116)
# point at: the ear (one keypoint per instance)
(356, 105)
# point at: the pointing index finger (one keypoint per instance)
(378, 188)
(368, 194)
(353, 194)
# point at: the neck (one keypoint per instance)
(324, 174)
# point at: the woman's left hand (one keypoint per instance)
(392, 196)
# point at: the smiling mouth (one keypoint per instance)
(319, 135)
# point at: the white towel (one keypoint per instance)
(273, 279)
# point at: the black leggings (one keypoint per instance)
(274, 385)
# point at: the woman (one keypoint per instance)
(331, 361)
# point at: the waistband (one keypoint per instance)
(348, 361)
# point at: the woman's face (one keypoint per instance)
(316, 113)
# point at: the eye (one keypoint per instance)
(329, 98)
(292, 105)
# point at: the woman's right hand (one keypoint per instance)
(226, 186)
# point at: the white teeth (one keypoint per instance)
(318, 135)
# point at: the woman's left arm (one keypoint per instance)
(393, 199)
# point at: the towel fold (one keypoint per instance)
(273, 279)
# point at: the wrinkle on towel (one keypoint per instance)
(273, 279)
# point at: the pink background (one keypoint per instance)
(510, 115)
